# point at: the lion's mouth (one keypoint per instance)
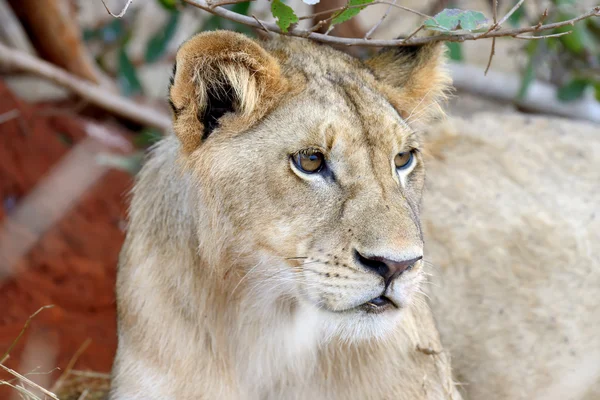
(378, 305)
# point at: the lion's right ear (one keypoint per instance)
(221, 77)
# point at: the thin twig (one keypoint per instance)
(511, 12)
(226, 2)
(24, 393)
(493, 51)
(233, 16)
(404, 8)
(71, 364)
(93, 93)
(323, 22)
(90, 374)
(29, 382)
(542, 18)
(123, 11)
(318, 25)
(260, 22)
(543, 36)
(32, 316)
(383, 17)
(413, 33)
(9, 115)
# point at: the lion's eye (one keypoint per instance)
(309, 162)
(403, 160)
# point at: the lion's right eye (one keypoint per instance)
(309, 162)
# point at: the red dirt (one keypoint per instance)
(72, 265)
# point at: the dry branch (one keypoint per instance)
(242, 19)
(114, 103)
(540, 97)
(11, 30)
(56, 38)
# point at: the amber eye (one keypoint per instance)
(309, 161)
(403, 160)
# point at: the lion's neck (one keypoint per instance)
(204, 306)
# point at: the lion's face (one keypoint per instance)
(318, 200)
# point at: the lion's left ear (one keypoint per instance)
(221, 78)
(416, 78)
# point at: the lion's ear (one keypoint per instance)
(417, 76)
(221, 76)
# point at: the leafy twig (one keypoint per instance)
(295, 31)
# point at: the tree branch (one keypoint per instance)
(540, 97)
(94, 94)
(242, 19)
(495, 26)
(123, 11)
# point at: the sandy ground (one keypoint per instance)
(72, 265)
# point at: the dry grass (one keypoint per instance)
(71, 385)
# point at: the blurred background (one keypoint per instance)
(67, 164)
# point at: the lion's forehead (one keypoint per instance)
(345, 117)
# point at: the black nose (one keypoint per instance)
(388, 269)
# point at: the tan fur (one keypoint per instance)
(511, 224)
(238, 278)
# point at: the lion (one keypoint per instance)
(510, 220)
(274, 247)
(302, 275)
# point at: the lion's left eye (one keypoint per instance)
(309, 162)
(404, 160)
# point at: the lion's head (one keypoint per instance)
(309, 172)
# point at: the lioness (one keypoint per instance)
(274, 248)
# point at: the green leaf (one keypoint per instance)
(65, 139)
(348, 13)
(455, 50)
(573, 90)
(127, 77)
(168, 4)
(130, 163)
(455, 21)
(597, 90)
(517, 16)
(157, 45)
(241, 8)
(284, 14)
(529, 73)
(147, 137)
(573, 42)
(109, 33)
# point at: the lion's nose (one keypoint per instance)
(387, 268)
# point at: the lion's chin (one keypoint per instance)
(373, 320)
